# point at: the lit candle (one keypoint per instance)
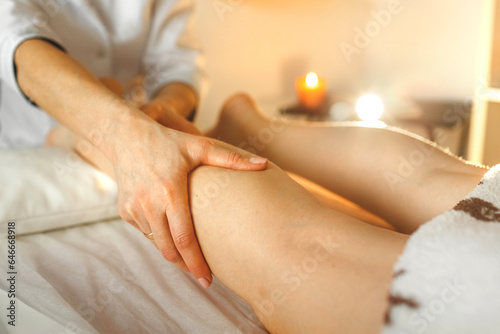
(311, 91)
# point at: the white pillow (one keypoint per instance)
(50, 188)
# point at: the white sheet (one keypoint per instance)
(51, 188)
(107, 278)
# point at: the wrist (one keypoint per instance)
(123, 130)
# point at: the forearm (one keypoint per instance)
(72, 95)
(178, 96)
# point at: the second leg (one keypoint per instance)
(398, 176)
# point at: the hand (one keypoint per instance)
(151, 162)
(166, 115)
(160, 109)
(151, 170)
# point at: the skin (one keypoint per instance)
(303, 266)
(171, 106)
(134, 144)
(374, 168)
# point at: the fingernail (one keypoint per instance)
(258, 160)
(204, 282)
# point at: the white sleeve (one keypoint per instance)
(165, 60)
(20, 20)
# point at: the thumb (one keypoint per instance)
(230, 158)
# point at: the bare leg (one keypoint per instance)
(395, 175)
(302, 266)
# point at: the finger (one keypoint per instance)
(162, 238)
(130, 220)
(183, 234)
(142, 227)
(179, 123)
(141, 222)
(221, 157)
(170, 119)
(181, 265)
(144, 230)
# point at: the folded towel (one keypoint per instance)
(448, 278)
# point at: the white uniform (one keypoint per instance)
(113, 38)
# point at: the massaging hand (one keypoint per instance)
(159, 109)
(151, 169)
(151, 162)
(166, 115)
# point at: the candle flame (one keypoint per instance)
(312, 79)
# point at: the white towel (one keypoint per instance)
(448, 278)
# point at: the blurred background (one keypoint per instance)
(429, 62)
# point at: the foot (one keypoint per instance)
(239, 119)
